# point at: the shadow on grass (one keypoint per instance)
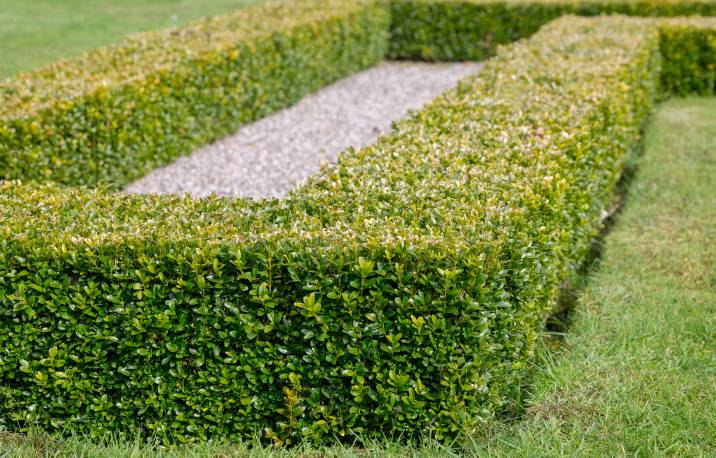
(558, 323)
(553, 335)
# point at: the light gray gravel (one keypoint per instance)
(271, 156)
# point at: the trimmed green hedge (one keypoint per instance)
(399, 292)
(689, 58)
(120, 112)
(472, 29)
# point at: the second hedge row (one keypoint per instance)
(111, 116)
(472, 29)
(117, 113)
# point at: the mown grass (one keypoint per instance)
(636, 375)
(37, 32)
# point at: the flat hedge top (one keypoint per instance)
(425, 182)
(148, 55)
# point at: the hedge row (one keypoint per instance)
(116, 114)
(397, 293)
(119, 112)
(472, 29)
(689, 57)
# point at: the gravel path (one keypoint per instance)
(271, 156)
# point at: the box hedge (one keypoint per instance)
(472, 29)
(688, 57)
(398, 292)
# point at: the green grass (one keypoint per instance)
(38, 32)
(636, 374)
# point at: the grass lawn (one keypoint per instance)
(37, 32)
(637, 372)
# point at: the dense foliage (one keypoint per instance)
(472, 29)
(396, 293)
(688, 57)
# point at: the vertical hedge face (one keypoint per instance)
(397, 293)
(472, 29)
(462, 30)
(689, 59)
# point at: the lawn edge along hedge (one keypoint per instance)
(397, 293)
